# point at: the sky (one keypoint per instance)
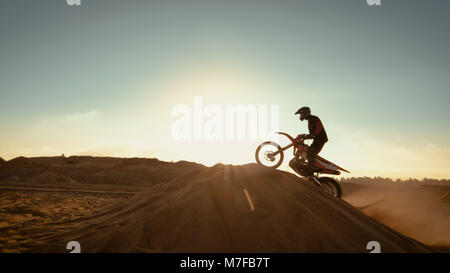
(103, 78)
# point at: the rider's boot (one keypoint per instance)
(310, 170)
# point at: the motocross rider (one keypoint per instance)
(316, 133)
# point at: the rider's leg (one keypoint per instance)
(312, 152)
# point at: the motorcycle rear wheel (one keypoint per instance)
(331, 186)
(263, 154)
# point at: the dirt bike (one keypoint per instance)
(270, 154)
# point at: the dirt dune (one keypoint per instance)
(419, 211)
(90, 170)
(187, 207)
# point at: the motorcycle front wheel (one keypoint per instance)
(269, 154)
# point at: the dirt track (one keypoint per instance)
(177, 207)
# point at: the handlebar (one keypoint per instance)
(300, 139)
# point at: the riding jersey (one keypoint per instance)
(316, 129)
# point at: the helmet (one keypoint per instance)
(304, 112)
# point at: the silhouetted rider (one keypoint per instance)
(316, 132)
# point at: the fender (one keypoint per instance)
(288, 136)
